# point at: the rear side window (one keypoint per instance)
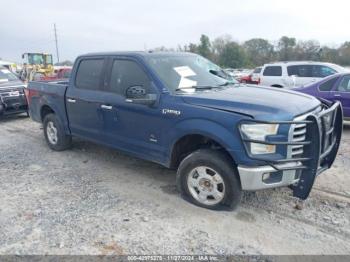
(125, 74)
(300, 70)
(89, 74)
(328, 85)
(322, 71)
(273, 71)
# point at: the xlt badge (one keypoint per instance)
(166, 111)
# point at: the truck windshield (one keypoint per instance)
(6, 75)
(185, 72)
(35, 59)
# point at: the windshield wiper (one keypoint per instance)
(196, 87)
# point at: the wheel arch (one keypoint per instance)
(45, 110)
(191, 142)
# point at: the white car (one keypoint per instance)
(256, 74)
(296, 74)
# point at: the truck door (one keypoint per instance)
(130, 126)
(85, 99)
(342, 94)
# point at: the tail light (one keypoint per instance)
(29, 94)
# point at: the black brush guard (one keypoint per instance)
(320, 146)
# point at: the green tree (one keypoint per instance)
(218, 46)
(286, 48)
(307, 50)
(328, 54)
(204, 47)
(193, 48)
(259, 51)
(344, 54)
(233, 56)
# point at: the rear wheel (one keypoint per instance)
(54, 133)
(208, 179)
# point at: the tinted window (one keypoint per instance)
(344, 84)
(322, 71)
(89, 74)
(328, 85)
(300, 70)
(273, 71)
(125, 74)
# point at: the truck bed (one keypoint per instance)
(42, 93)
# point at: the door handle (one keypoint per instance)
(337, 95)
(106, 107)
(70, 100)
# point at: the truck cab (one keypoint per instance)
(170, 108)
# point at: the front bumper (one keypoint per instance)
(252, 178)
(12, 104)
(320, 147)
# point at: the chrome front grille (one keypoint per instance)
(297, 133)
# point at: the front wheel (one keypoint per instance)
(207, 178)
(54, 133)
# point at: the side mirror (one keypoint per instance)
(137, 95)
(134, 92)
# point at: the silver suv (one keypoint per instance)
(296, 74)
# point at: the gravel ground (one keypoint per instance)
(94, 200)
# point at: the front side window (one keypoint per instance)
(344, 84)
(89, 74)
(273, 71)
(328, 85)
(125, 74)
(48, 59)
(322, 71)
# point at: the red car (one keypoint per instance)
(246, 79)
(62, 73)
(252, 78)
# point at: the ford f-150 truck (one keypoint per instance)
(171, 108)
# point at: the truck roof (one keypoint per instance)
(138, 53)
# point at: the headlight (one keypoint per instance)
(259, 132)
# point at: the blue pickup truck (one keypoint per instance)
(179, 110)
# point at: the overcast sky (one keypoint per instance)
(85, 26)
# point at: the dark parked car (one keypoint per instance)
(332, 88)
(12, 97)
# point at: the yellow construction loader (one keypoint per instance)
(36, 66)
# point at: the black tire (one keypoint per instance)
(63, 141)
(221, 164)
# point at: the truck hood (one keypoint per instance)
(262, 103)
(11, 85)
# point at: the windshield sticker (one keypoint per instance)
(5, 71)
(185, 71)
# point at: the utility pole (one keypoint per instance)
(58, 57)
